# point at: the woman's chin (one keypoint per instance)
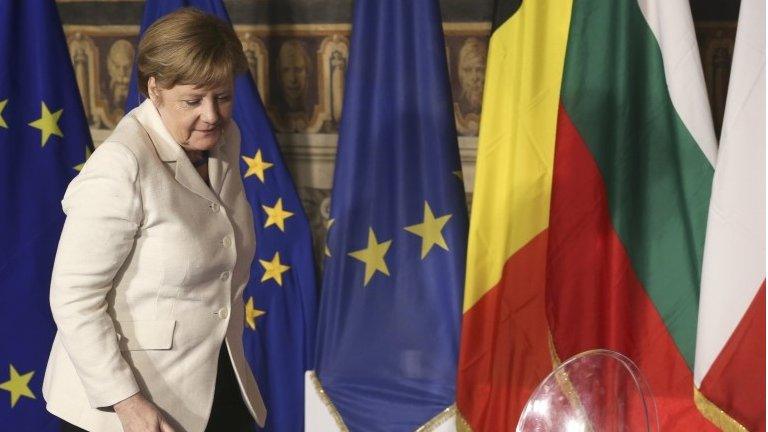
(202, 143)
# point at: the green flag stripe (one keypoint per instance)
(657, 179)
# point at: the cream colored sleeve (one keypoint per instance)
(103, 207)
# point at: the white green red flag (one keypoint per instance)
(730, 348)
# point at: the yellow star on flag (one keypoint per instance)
(88, 153)
(251, 313)
(3, 103)
(276, 215)
(373, 256)
(328, 228)
(274, 269)
(256, 166)
(48, 123)
(18, 386)
(430, 230)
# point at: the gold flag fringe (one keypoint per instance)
(429, 426)
(462, 425)
(565, 384)
(438, 420)
(714, 414)
(327, 402)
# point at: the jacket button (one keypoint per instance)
(227, 242)
(224, 276)
(223, 313)
(214, 207)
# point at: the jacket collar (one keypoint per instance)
(168, 150)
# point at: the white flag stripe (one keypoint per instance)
(672, 25)
(734, 252)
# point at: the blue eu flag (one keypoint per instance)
(44, 138)
(281, 298)
(390, 311)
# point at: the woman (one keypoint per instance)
(156, 251)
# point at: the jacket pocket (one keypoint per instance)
(145, 334)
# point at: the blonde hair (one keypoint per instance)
(189, 46)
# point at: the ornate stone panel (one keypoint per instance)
(298, 52)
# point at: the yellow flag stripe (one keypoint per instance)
(517, 139)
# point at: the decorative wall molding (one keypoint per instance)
(299, 70)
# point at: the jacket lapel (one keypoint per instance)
(170, 151)
(217, 168)
(187, 175)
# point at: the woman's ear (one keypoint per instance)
(154, 95)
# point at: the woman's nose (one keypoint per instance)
(210, 113)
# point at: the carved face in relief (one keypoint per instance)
(119, 62)
(472, 74)
(253, 62)
(337, 59)
(250, 55)
(293, 67)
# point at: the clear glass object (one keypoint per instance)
(595, 391)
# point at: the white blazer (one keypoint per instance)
(148, 279)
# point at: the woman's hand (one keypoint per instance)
(137, 414)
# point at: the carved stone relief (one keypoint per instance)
(300, 70)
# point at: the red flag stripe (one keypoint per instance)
(736, 380)
(504, 352)
(594, 297)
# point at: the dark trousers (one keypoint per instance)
(229, 413)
